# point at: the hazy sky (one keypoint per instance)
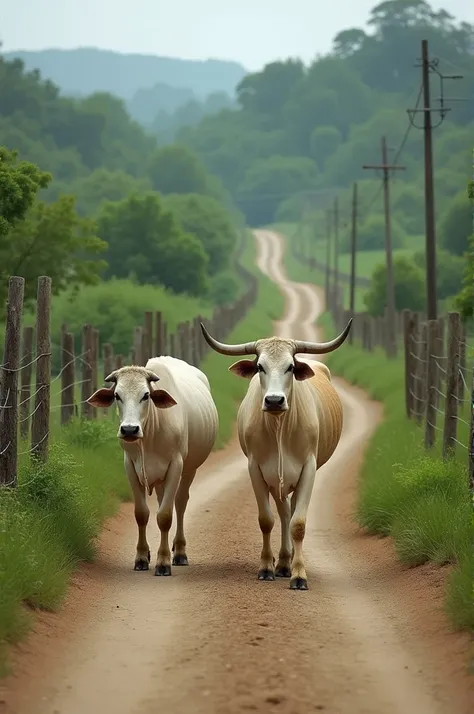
(250, 31)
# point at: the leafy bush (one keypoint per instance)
(209, 221)
(146, 243)
(449, 271)
(409, 287)
(456, 224)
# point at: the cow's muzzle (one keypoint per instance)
(129, 432)
(275, 403)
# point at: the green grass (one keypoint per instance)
(415, 497)
(51, 520)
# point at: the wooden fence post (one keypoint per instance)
(9, 384)
(431, 383)
(95, 366)
(87, 372)
(159, 350)
(148, 337)
(462, 363)
(452, 377)
(420, 372)
(108, 358)
(25, 390)
(471, 441)
(118, 362)
(409, 367)
(40, 419)
(137, 346)
(172, 338)
(67, 377)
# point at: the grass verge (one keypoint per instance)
(415, 497)
(50, 522)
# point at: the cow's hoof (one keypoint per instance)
(141, 564)
(163, 570)
(299, 584)
(180, 560)
(266, 575)
(283, 572)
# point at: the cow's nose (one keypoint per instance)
(126, 430)
(274, 400)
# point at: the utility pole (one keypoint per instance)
(353, 256)
(386, 168)
(328, 259)
(430, 236)
(336, 253)
(428, 65)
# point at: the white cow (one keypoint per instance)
(162, 449)
(289, 424)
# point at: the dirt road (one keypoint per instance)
(213, 639)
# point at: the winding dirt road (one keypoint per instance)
(213, 639)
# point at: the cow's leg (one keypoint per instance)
(283, 568)
(142, 513)
(302, 497)
(181, 501)
(265, 520)
(164, 517)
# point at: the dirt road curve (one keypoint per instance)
(212, 639)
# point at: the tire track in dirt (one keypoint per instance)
(212, 638)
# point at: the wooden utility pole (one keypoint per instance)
(430, 65)
(430, 236)
(386, 168)
(336, 253)
(353, 256)
(328, 259)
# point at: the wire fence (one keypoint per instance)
(438, 370)
(27, 410)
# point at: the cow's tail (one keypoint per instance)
(281, 483)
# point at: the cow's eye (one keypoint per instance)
(117, 397)
(291, 368)
(260, 368)
(146, 396)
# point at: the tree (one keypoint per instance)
(456, 225)
(103, 185)
(177, 169)
(409, 287)
(449, 272)
(269, 181)
(20, 181)
(465, 299)
(324, 142)
(145, 243)
(208, 220)
(52, 240)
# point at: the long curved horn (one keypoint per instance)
(246, 348)
(321, 348)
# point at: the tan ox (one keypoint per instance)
(289, 424)
(162, 449)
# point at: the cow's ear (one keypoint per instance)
(303, 371)
(162, 399)
(102, 399)
(244, 368)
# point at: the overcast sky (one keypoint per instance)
(251, 31)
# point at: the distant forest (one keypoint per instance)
(286, 142)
